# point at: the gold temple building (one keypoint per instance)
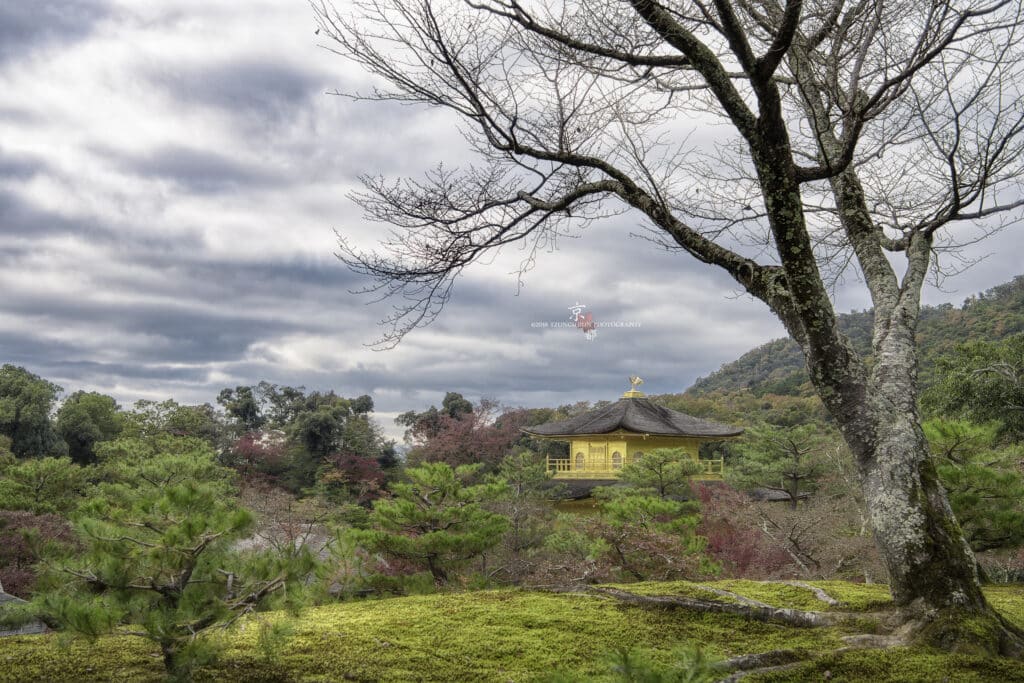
(603, 440)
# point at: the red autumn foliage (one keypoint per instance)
(362, 477)
(259, 453)
(17, 557)
(484, 435)
(734, 540)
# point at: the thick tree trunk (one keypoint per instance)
(932, 571)
(923, 546)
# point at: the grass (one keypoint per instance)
(510, 635)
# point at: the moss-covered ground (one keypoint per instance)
(515, 635)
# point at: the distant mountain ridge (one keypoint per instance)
(778, 366)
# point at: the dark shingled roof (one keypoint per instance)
(635, 415)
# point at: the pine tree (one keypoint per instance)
(157, 556)
(982, 479)
(665, 471)
(785, 459)
(435, 520)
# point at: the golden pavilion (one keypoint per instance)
(604, 439)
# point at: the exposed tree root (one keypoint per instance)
(735, 596)
(763, 660)
(871, 641)
(953, 630)
(777, 615)
(775, 660)
(780, 660)
(818, 593)
(739, 675)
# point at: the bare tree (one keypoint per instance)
(863, 134)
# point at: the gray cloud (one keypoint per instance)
(24, 218)
(27, 25)
(20, 166)
(195, 170)
(191, 313)
(262, 90)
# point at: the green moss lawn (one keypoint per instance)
(513, 635)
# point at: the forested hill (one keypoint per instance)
(778, 366)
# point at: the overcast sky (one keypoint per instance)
(171, 176)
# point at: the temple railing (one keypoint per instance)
(563, 469)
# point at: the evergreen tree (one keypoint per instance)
(85, 419)
(157, 556)
(665, 471)
(42, 485)
(26, 401)
(525, 503)
(150, 418)
(647, 537)
(785, 459)
(243, 406)
(982, 381)
(983, 480)
(435, 521)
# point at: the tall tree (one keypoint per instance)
(435, 521)
(789, 460)
(158, 554)
(664, 471)
(149, 418)
(859, 132)
(242, 405)
(26, 401)
(984, 481)
(84, 419)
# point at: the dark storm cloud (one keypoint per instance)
(30, 350)
(25, 219)
(205, 312)
(18, 166)
(56, 360)
(195, 170)
(263, 90)
(27, 25)
(258, 288)
(150, 331)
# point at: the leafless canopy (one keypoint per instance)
(893, 125)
